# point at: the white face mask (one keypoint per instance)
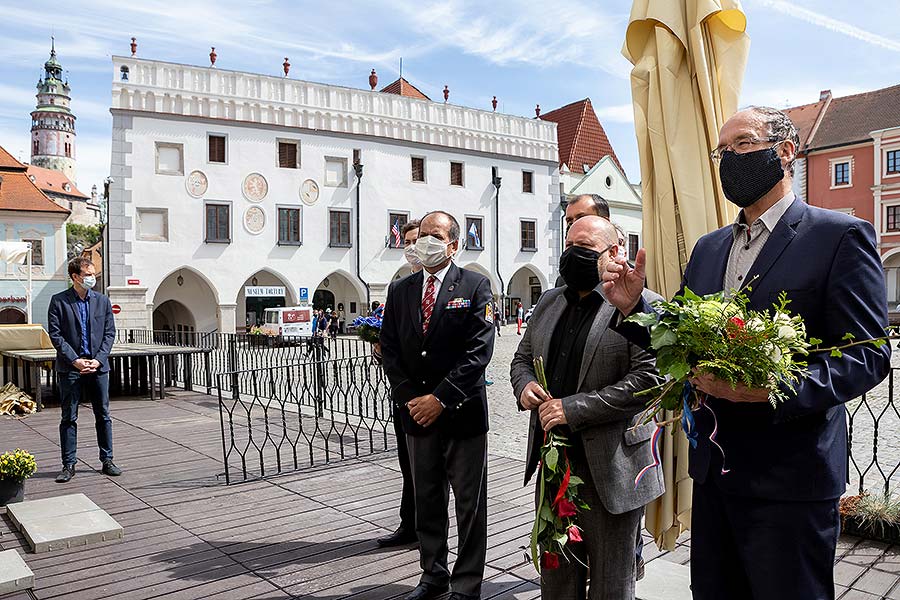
(431, 251)
(88, 282)
(411, 257)
(622, 253)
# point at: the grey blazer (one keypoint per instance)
(604, 409)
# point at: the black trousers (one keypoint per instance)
(408, 497)
(757, 549)
(439, 462)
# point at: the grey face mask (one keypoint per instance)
(88, 282)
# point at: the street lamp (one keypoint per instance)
(358, 169)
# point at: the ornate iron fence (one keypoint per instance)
(242, 351)
(873, 427)
(282, 418)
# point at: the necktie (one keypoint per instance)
(428, 303)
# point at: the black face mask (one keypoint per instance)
(578, 267)
(747, 177)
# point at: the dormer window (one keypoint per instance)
(31, 177)
(123, 73)
(67, 187)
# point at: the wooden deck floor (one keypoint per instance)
(308, 534)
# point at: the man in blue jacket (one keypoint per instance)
(767, 528)
(82, 329)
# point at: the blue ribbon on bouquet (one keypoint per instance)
(688, 425)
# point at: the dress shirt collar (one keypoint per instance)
(440, 275)
(769, 218)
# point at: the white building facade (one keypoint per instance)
(233, 192)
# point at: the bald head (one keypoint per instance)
(592, 232)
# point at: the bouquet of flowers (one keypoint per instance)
(554, 522)
(369, 328)
(17, 466)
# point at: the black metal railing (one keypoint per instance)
(243, 351)
(873, 426)
(282, 418)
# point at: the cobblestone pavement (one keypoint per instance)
(878, 414)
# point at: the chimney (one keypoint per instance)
(537, 111)
(824, 95)
(212, 56)
(133, 46)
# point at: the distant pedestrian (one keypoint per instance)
(520, 317)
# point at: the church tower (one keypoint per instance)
(52, 121)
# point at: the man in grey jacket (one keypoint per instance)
(593, 374)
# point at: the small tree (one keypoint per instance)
(79, 237)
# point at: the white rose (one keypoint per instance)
(786, 332)
(774, 353)
(756, 324)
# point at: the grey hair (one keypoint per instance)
(621, 232)
(780, 128)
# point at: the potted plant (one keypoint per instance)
(871, 516)
(15, 468)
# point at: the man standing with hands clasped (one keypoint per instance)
(767, 527)
(437, 337)
(81, 328)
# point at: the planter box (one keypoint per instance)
(884, 532)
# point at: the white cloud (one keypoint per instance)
(820, 20)
(620, 113)
(798, 93)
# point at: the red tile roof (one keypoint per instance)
(805, 118)
(851, 119)
(17, 192)
(580, 135)
(54, 182)
(402, 87)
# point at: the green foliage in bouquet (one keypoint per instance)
(369, 333)
(694, 335)
(17, 466)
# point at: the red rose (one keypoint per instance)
(574, 534)
(565, 508)
(550, 560)
(739, 322)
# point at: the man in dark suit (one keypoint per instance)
(437, 338)
(81, 327)
(406, 532)
(768, 528)
(593, 375)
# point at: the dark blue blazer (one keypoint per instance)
(828, 264)
(449, 361)
(64, 327)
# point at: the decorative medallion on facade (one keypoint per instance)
(197, 183)
(254, 220)
(255, 187)
(309, 192)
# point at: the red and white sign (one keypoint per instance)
(134, 282)
(13, 299)
(296, 316)
(116, 309)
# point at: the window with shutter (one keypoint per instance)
(456, 173)
(418, 169)
(527, 182)
(216, 148)
(289, 227)
(287, 155)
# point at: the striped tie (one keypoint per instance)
(428, 303)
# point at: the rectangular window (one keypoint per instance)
(288, 154)
(527, 182)
(36, 147)
(169, 158)
(893, 218)
(396, 221)
(335, 172)
(289, 224)
(353, 307)
(218, 223)
(892, 161)
(634, 244)
(37, 252)
(216, 146)
(418, 169)
(456, 173)
(841, 174)
(529, 243)
(474, 233)
(339, 229)
(153, 224)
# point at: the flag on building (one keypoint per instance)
(473, 233)
(395, 231)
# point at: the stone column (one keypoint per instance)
(227, 317)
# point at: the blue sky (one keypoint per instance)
(525, 53)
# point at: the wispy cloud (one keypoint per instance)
(620, 113)
(804, 14)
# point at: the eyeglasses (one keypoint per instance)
(741, 146)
